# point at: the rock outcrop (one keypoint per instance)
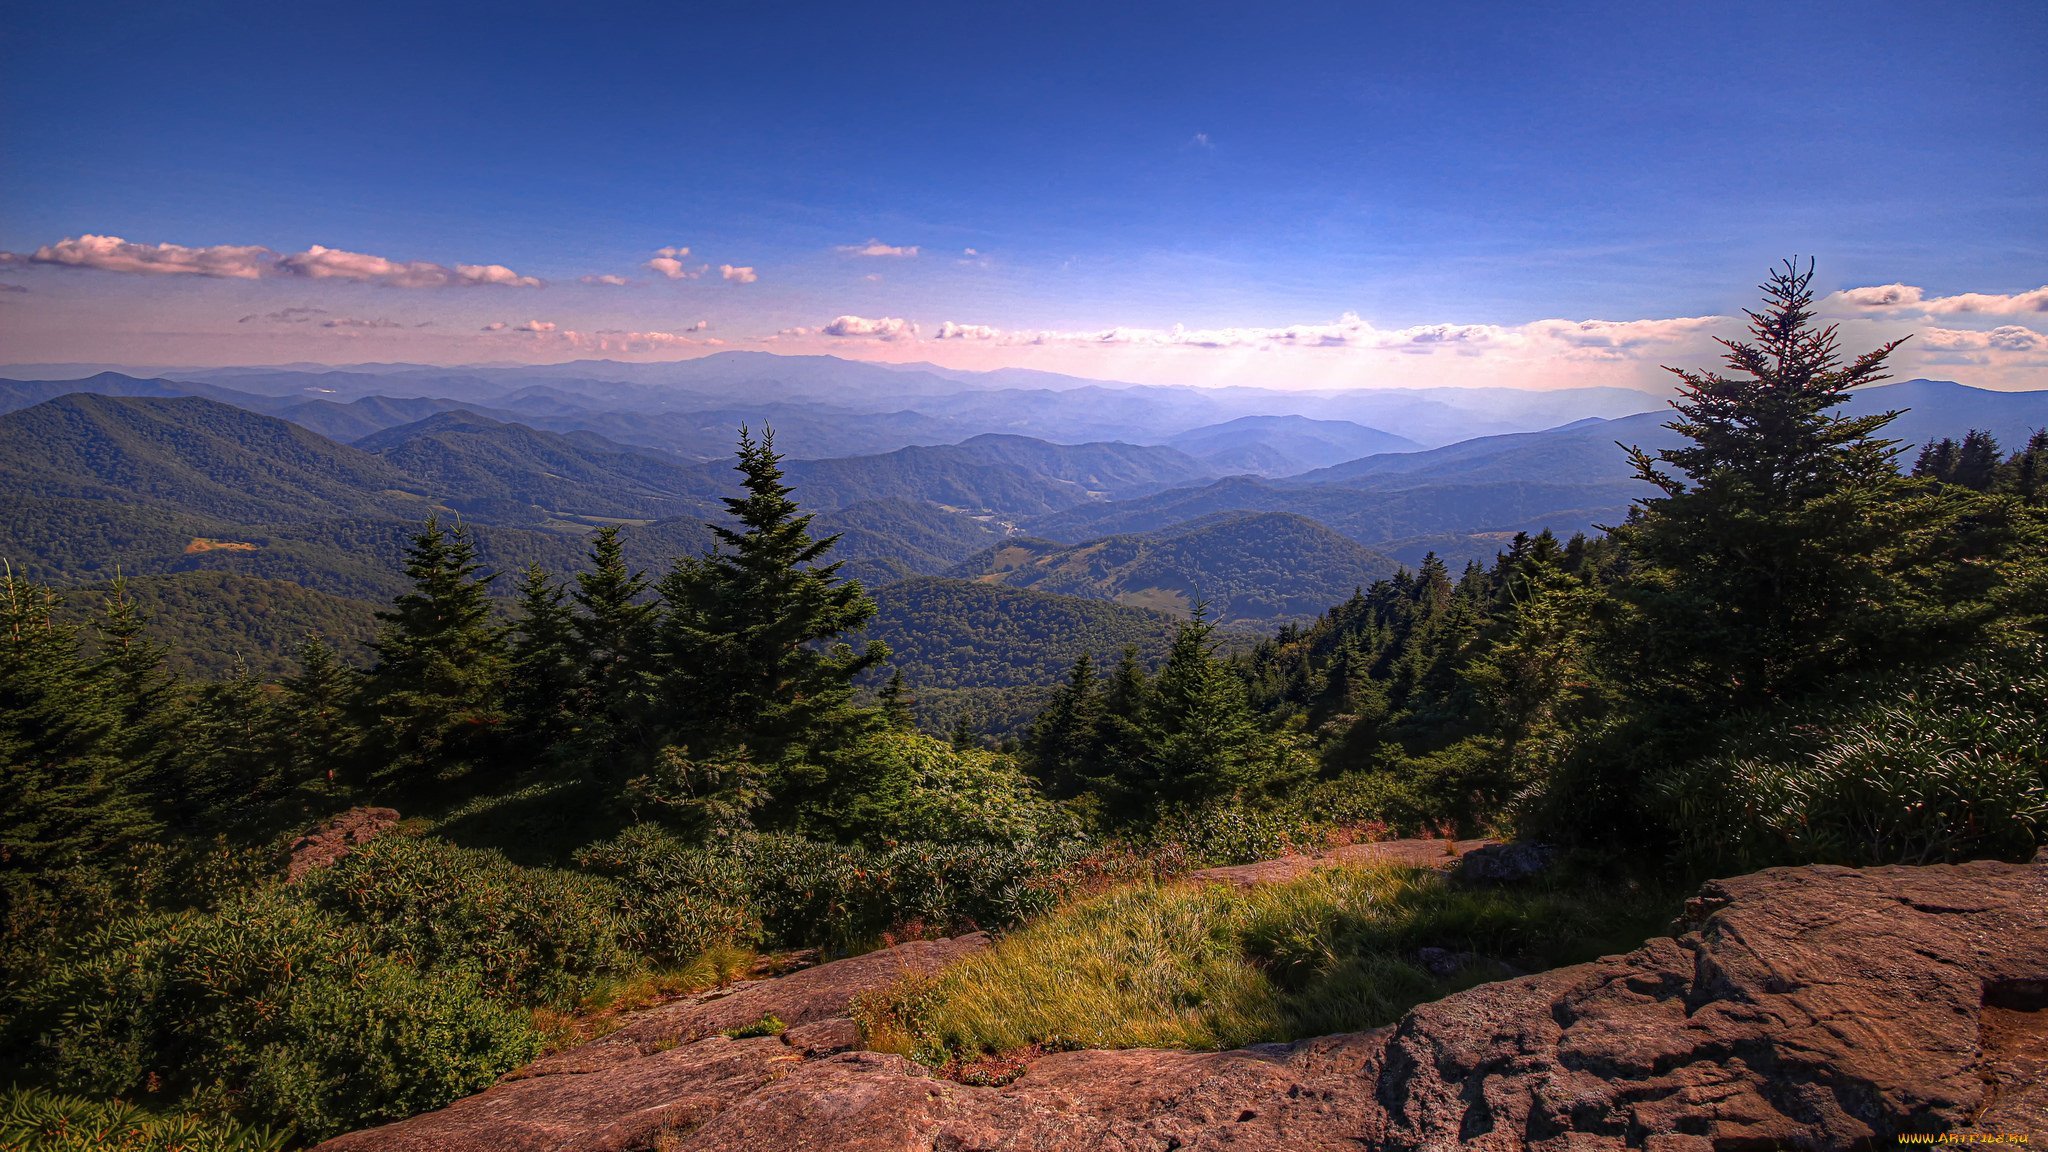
(1808, 1007)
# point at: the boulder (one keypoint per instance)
(1814, 1008)
(1504, 863)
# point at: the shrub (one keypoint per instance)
(32, 1120)
(1945, 766)
(271, 1007)
(801, 891)
(534, 935)
(916, 788)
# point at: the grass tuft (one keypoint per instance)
(1180, 966)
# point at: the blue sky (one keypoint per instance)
(1449, 174)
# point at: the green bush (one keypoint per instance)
(802, 891)
(533, 935)
(32, 1120)
(1949, 765)
(269, 1007)
(915, 788)
(1226, 833)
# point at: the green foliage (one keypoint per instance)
(1246, 566)
(815, 892)
(1943, 765)
(957, 634)
(433, 701)
(908, 787)
(769, 1025)
(269, 1007)
(531, 935)
(33, 1120)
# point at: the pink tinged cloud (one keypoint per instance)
(669, 262)
(1901, 297)
(1603, 339)
(737, 274)
(886, 328)
(606, 280)
(254, 262)
(875, 247)
(2007, 338)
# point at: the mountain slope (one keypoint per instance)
(513, 473)
(196, 454)
(1285, 445)
(959, 634)
(1247, 566)
(999, 475)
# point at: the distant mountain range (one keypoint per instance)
(1149, 499)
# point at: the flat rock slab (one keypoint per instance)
(1815, 1008)
(1441, 854)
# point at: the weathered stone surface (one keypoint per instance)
(1504, 863)
(1811, 1007)
(335, 838)
(1414, 853)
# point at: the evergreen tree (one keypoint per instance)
(434, 699)
(70, 802)
(748, 659)
(546, 681)
(1762, 567)
(1200, 739)
(614, 636)
(896, 703)
(1065, 743)
(131, 664)
(1977, 462)
(319, 739)
(1937, 461)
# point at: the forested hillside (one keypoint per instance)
(1244, 566)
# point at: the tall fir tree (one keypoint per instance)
(1066, 741)
(542, 698)
(747, 649)
(319, 739)
(433, 702)
(614, 632)
(1762, 567)
(71, 798)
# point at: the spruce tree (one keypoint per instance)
(615, 632)
(1761, 567)
(319, 739)
(1201, 741)
(1065, 743)
(434, 699)
(70, 799)
(748, 653)
(896, 703)
(546, 677)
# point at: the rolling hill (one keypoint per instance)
(994, 474)
(1285, 445)
(1246, 566)
(512, 473)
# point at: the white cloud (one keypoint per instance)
(322, 263)
(873, 278)
(1603, 339)
(889, 328)
(737, 274)
(254, 262)
(1201, 140)
(352, 322)
(1901, 297)
(113, 254)
(669, 262)
(2007, 338)
(875, 247)
(604, 340)
(606, 279)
